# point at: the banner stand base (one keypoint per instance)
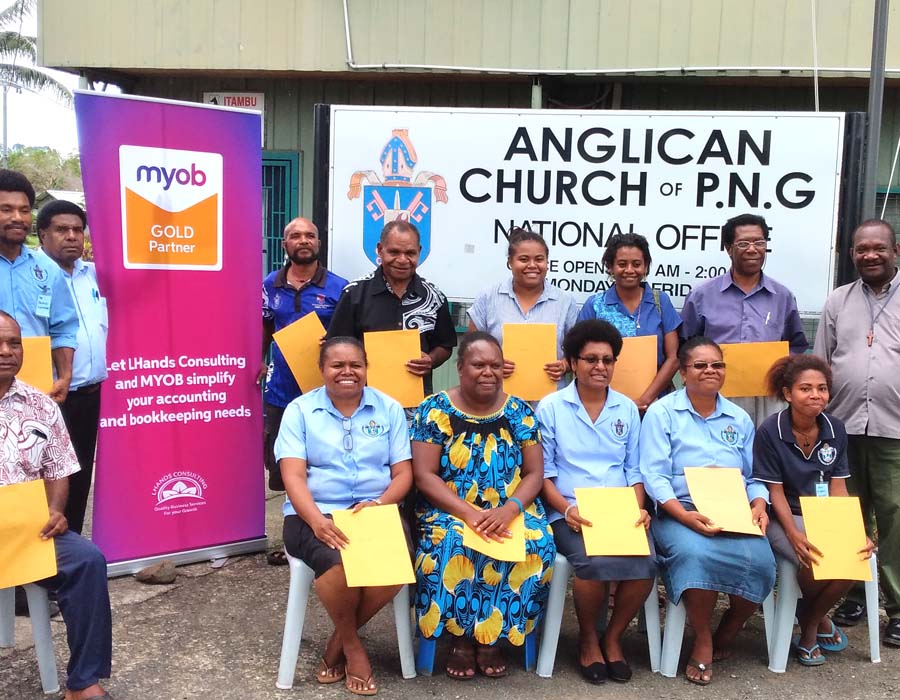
(131, 566)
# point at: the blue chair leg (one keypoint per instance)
(531, 651)
(425, 655)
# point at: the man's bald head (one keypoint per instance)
(301, 241)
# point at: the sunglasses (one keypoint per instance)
(700, 366)
(607, 360)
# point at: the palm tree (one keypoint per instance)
(18, 54)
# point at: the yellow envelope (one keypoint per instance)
(748, 364)
(299, 343)
(24, 556)
(530, 346)
(37, 363)
(613, 513)
(377, 554)
(511, 549)
(636, 366)
(719, 494)
(388, 353)
(834, 525)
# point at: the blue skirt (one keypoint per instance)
(741, 565)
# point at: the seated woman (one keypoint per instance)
(477, 459)
(696, 427)
(802, 451)
(636, 309)
(525, 297)
(590, 438)
(343, 445)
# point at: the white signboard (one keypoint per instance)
(466, 177)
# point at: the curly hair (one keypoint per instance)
(590, 331)
(785, 371)
(625, 240)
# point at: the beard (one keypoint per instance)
(303, 257)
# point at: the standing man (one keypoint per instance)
(859, 334)
(745, 305)
(32, 288)
(393, 297)
(301, 286)
(34, 445)
(61, 226)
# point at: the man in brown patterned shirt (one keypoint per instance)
(34, 444)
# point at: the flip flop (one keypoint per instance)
(805, 656)
(365, 682)
(326, 675)
(833, 647)
(703, 668)
(491, 657)
(465, 659)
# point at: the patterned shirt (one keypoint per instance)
(368, 304)
(34, 443)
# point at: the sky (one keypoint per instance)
(37, 119)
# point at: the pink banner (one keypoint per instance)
(173, 193)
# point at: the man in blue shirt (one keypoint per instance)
(61, 227)
(32, 289)
(301, 286)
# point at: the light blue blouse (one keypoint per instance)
(313, 429)
(579, 452)
(675, 436)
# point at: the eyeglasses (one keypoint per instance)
(592, 360)
(348, 436)
(758, 244)
(700, 366)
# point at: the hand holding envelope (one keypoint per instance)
(720, 496)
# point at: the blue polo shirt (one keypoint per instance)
(282, 305)
(581, 453)
(34, 292)
(675, 436)
(778, 459)
(646, 320)
(313, 429)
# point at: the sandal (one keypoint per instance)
(835, 633)
(326, 675)
(705, 672)
(491, 657)
(277, 557)
(461, 663)
(368, 684)
(805, 656)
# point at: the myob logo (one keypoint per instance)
(171, 208)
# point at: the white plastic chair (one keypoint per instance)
(39, 611)
(556, 602)
(674, 634)
(785, 609)
(298, 595)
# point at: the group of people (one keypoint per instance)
(474, 455)
(480, 457)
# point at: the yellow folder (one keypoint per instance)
(719, 493)
(510, 549)
(530, 346)
(834, 525)
(636, 366)
(748, 364)
(37, 363)
(377, 554)
(613, 513)
(388, 353)
(24, 556)
(299, 342)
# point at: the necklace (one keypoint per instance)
(806, 435)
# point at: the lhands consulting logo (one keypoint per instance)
(171, 208)
(181, 490)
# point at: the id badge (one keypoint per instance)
(43, 306)
(821, 489)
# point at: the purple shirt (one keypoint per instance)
(722, 311)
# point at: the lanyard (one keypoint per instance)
(874, 316)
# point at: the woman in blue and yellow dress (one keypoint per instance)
(477, 459)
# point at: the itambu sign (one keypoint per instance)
(467, 177)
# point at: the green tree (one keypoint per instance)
(46, 168)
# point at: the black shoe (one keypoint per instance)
(22, 604)
(892, 632)
(848, 613)
(619, 671)
(275, 482)
(595, 673)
